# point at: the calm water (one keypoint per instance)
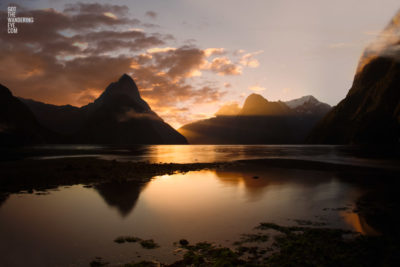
(73, 225)
(368, 156)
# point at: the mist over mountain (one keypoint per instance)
(370, 113)
(259, 121)
(118, 116)
(232, 109)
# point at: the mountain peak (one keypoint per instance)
(127, 82)
(257, 105)
(256, 97)
(125, 87)
(4, 92)
(125, 77)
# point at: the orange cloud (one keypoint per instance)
(248, 59)
(74, 68)
(214, 51)
(160, 49)
(223, 66)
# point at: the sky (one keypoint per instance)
(188, 57)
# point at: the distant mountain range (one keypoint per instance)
(118, 116)
(259, 121)
(370, 113)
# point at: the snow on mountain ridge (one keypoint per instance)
(294, 103)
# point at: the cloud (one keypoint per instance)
(180, 62)
(151, 14)
(256, 88)
(214, 51)
(110, 15)
(70, 56)
(84, 8)
(248, 59)
(227, 85)
(54, 32)
(160, 49)
(386, 44)
(223, 66)
(110, 41)
(132, 114)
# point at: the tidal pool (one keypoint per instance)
(70, 226)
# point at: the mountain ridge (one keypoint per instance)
(118, 116)
(261, 122)
(370, 112)
(18, 125)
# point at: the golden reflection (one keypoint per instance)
(183, 153)
(254, 183)
(182, 194)
(358, 223)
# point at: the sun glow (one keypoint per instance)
(110, 15)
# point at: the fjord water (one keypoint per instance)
(349, 155)
(73, 225)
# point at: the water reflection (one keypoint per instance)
(256, 181)
(359, 223)
(121, 195)
(3, 198)
(73, 225)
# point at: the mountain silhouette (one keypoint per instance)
(308, 105)
(121, 116)
(118, 116)
(370, 113)
(64, 119)
(18, 125)
(256, 105)
(259, 121)
(121, 195)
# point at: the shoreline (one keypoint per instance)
(29, 174)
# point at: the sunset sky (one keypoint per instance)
(188, 57)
